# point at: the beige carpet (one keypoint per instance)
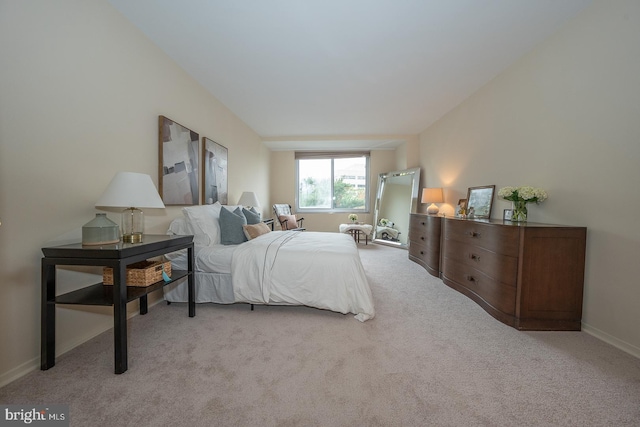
(431, 357)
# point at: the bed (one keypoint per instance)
(315, 269)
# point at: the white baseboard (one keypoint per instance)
(609, 339)
(34, 364)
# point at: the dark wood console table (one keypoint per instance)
(116, 256)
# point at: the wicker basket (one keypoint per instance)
(143, 273)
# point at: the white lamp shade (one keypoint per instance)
(249, 198)
(130, 189)
(432, 195)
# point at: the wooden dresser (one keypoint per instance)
(424, 241)
(529, 276)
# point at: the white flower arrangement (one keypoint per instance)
(523, 194)
(353, 217)
(384, 222)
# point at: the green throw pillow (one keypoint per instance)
(231, 232)
(253, 217)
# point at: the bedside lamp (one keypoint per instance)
(433, 196)
(249, 199)
(132, 191)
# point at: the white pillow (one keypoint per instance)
(179, 227)
(203, 223)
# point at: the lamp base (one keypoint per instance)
(132, 238)
(132, 225)
(433, 209)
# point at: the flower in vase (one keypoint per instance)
(520, 196)
(353, 217)
(523, 194)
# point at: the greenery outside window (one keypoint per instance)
(332, 182)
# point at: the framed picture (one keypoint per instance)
(215, 187)
(461, 207)
(507, 214)
(179, 153)
(481, 200)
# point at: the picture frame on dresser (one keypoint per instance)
(507, 215)
(461, 208)
(481, 200)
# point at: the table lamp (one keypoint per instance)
(433, 196)
(132, 191)
(249, 200)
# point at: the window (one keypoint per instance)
(332, 182)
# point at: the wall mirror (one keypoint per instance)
(397, 197)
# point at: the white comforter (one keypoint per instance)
(321, 270)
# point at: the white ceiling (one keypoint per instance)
(345, 72)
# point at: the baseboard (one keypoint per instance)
(609, 339)
(34, 364)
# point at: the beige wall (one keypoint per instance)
(408, 154)
(80, 94)
(564, 118)
(283, 188)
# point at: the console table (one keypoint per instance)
(116, 256)
(527, 275)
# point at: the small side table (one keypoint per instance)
(116, 256)
(269, 221)
(356, 230)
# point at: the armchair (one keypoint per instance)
(287, 220)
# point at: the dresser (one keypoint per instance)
(529, 276)
(424, 241)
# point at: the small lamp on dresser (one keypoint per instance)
(433, 196)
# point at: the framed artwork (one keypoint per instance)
(480, 201)
(507, 215)
(215, 187)
(179, 152)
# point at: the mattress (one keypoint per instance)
(208, 259)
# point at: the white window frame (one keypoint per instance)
(333, 155)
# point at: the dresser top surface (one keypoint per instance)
(495, 221)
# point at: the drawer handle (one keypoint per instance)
(475, 257)
(472, 279)
(423, 223)
(421, 237)
(421, 252)
(474, 234)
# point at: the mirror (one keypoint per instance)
(397, 197)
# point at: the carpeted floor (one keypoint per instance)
(431, 357)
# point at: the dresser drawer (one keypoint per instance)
(500, 267)
(502, 239)
(425, 227)
(498, 295)
(432, 245)
(426, 256)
